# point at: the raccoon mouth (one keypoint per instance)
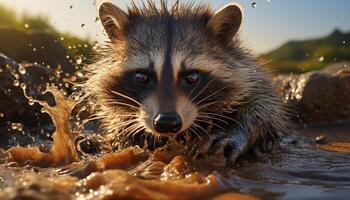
(168, 135)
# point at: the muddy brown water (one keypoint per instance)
(301, 169)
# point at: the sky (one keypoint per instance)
(265, 27)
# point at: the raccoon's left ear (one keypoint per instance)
(113, 19)
(226, 22)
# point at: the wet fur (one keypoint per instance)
(247, 113)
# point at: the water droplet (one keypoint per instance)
(96, 46)
(58, 73)
(2, 115)
(34, 49)
(17, 126)
(79, 74)
(23, 86)
(75, 96)
(79, 60)
(268, 1)
(21, 69)
(67, 56)
(31, 101)
(62, 38)
(254, 5)
(321, 59)
(82, 25)
(26, 25)
(16, 83)
(343, 42)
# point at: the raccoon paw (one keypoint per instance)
(219, 146)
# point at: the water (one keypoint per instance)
(300, 169)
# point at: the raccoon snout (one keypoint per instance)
(167, 122)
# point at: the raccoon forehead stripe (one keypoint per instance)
(152, 62)
(158, 60)
(167, 86)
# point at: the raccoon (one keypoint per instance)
(180, 70)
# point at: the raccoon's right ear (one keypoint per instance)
(226, 22)
(113, 19)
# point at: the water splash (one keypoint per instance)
(21, 69)
(62, 151)
(254, 5)
(17, 126)
(79, 60)
(16, 83)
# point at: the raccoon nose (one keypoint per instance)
(167, 123)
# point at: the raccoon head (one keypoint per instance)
(167, 70)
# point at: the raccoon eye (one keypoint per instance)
(192, 78)
(141, 77)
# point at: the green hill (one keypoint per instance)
(9, 19)
(308, 55)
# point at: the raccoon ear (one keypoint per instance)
(226, 22)
(113, 19)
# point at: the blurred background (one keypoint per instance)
(289, 35)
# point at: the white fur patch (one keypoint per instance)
(158, 60)
(187, 111)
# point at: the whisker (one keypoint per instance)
(200, 92)
(216, 114)
(85, 121)
(197, 134)
(127, 97)
(208, 122)
(213, 118)
(207, 105)
(132, 130)
(200, 127)
(223, 116)
(125, 123)
(122, 104)
(130, 127)
(212, 94)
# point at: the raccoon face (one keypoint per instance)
(168, 76)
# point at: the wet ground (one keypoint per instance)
(302, 168)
